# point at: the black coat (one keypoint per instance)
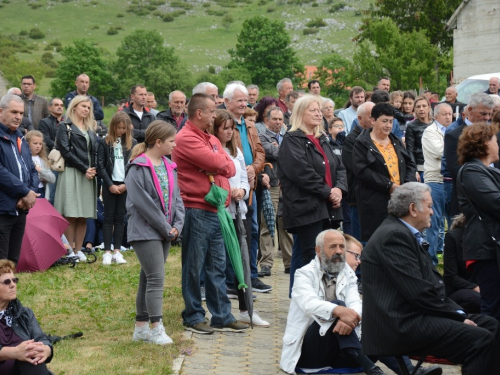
(74, 149)
(413, 138)
(140, 125)
(167, 117)
(455, 275)
(451, 156)
(48, 127)
(482, 185)
(347, 150)
(25, 325)
(105, 161)
(301, 171)
(404, 303)
(373, 181)
(25, 126)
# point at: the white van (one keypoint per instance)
(473, 85)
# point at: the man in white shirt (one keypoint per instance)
(348, 115)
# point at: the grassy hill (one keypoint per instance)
(196, 29)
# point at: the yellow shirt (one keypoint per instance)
(391, 160)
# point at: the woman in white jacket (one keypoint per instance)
(223, 129)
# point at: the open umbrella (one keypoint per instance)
(42, 244)
(217, 196)
(245, 258)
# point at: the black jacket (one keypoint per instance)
(74, 150)
(455, 275)
(25, 325)
(48, 127)
(301, 171)
(372, 180)
(25, 126)
(482, 186)
(347, 150)
(168, 118)
(106, 160)
(140, 125)
(413, 138)
(267, 138)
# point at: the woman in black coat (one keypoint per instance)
(377, 175)
(457, 279)
(478, 191)
(312, 193)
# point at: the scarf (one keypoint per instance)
(7, 314)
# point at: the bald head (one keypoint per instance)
(451, 94)
(494, 85)
(82, 84)
(14, 91)
(364, 114)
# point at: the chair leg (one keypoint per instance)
(402, 365)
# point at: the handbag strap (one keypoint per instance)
(460, 173)
(68, 128)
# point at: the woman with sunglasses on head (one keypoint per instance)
(24, 348)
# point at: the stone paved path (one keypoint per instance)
(256, 351)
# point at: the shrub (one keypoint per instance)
(337, 7)
(95, 27)
(271, 9)
(206, 5)
(120, 15)
(23, 33)
(36, 33)
(310, 30)
(315, 5)
(112, 31)
(318, 22)
(218, 13)
(168, 18)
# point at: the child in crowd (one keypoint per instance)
(39, 156)
(336, 131)
(396, 99)
(155, 219)
(112, 157)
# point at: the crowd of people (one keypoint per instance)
(389, 171)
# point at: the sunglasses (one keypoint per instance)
(15, 280)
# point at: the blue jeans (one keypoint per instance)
(203, 249)
(355, 225)
(437, 220)
(254, 245)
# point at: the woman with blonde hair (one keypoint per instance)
(113, 154)
(76, 192)
(155, 219)
(312, 180)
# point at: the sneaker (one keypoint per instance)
(256, 319)
(118, 259)
(203, 295)
(71, 254)
(266, 271)
(232, 293)
(375, 371)
(259, 287)
(142, 333)
(107, 258)
(158, 335)
(232, 327)
(202, 328)
(81, 256)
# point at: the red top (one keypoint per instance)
(328, 174)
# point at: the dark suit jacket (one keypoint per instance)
(404, 303)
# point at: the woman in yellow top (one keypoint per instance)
(380, 164)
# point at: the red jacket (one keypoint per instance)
(196, 153)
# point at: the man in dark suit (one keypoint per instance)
(405, 309)
(480, 108)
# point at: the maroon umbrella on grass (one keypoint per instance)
(42, 244)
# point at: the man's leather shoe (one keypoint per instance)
(434, 370)
(287, 270)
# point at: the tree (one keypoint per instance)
(403, 56)
(418, 15)
(263, 49)
(82, 57)
(335, 74)
(144, 59)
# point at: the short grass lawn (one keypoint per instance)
(100, 302)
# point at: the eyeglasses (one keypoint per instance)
(356, 255)
(15, 280)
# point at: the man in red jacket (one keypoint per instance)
(197, 155)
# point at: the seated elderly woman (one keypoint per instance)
(24, 348)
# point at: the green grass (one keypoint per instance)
(100, 302)
(199, 39)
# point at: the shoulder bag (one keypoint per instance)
(56, 160)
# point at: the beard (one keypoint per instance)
(334, 264)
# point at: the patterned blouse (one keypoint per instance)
(391, 160)
(161, 172)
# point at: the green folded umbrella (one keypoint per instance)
(217, 196)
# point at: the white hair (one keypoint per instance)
(174, 92)
(362, 108)
(12, 89)
(320, 239)
(7, 99)
(231, 88)
(279, 86)
(201, 88)
(328, 100)
(437, 109)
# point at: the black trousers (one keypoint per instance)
(11, 235)
(486, 275)
(114, 218)
(469, 299)
(476, 348)
(26, 368)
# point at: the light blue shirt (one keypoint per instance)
(441, 127)
(414, 231)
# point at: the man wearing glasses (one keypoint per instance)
(35, 107)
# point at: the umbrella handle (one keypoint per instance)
(269, 165)
(211, 178)
(250, 197)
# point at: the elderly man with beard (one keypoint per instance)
(325, 313)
